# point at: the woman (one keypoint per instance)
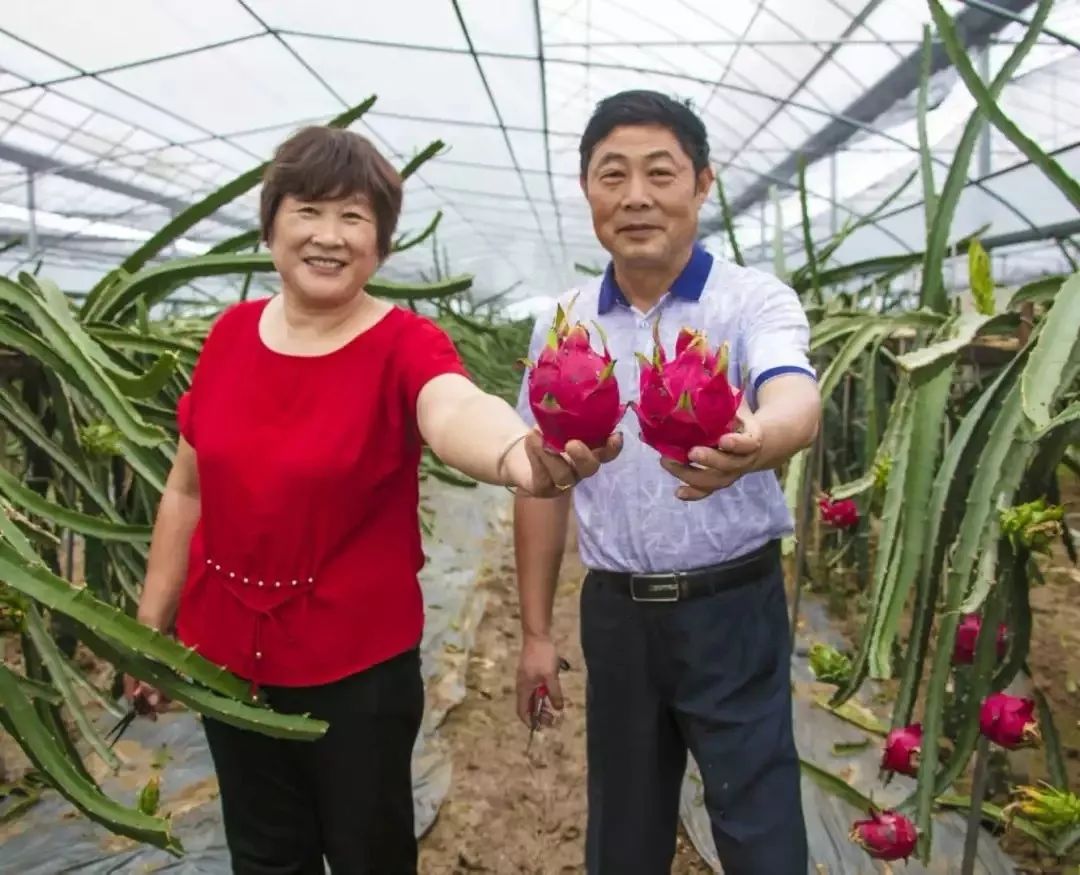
(286, 546)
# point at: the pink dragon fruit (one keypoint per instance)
(840, 514)
(886, 835)
(572, 389)
(1009, 721)
(686, 402)
(902, 748)
(967, 636)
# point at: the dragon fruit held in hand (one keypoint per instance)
(902, 748)
(886, 835)
(686, 402)
(572, 389)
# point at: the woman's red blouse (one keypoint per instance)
(303, 566)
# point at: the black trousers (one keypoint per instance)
(346, 796)
(710, 675)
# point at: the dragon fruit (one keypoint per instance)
(967, 636)
(573, 392)
(841, 514)
(902, 748)
(1008, 721)
(886, 835)
(686, 402)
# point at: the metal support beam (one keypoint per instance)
(834, 217)
(35, 163)
(976, 28)
(985, 160)
(998, 8)
(31, 210)
(1058, 231)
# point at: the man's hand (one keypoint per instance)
(539, 664)
(738, 454)
(545, 474)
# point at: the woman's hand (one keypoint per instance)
(147, 700)
(543, 473)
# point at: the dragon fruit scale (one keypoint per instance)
(687, 401)
(572, 388)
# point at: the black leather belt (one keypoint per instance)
(675, 586)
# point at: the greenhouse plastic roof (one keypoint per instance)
(116, 114)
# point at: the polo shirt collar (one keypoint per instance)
(688, 285)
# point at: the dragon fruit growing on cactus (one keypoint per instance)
(886, 835)
(902, 747)
(572, 388)
(685, 402)
(1009, 721)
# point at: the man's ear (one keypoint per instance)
(705, 181)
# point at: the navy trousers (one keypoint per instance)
(710, 675)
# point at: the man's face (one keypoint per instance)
(644, 196)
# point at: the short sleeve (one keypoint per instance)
(536, 343)
(186, 404)
(184, 418)
(777, 334)
(426, 351)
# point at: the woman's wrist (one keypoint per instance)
(512, 466)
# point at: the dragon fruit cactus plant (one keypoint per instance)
(572, 388)
(687, 401)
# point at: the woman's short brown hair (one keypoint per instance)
(322, 163)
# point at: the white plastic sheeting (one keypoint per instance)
(125, 110)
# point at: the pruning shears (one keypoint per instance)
(537, 701)
(139, 706)
(114, 734)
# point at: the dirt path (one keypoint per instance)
(508, 812)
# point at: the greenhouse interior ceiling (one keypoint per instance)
(115, 115)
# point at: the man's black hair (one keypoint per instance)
(646, 108)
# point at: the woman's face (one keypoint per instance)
(325, 251)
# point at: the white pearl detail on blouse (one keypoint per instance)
(233, 575)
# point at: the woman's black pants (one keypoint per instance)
(346, 797)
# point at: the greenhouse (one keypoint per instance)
(905, 174)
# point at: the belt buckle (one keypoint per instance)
(672, 587)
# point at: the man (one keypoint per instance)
(709, 671)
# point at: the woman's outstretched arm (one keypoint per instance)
(483, 437)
